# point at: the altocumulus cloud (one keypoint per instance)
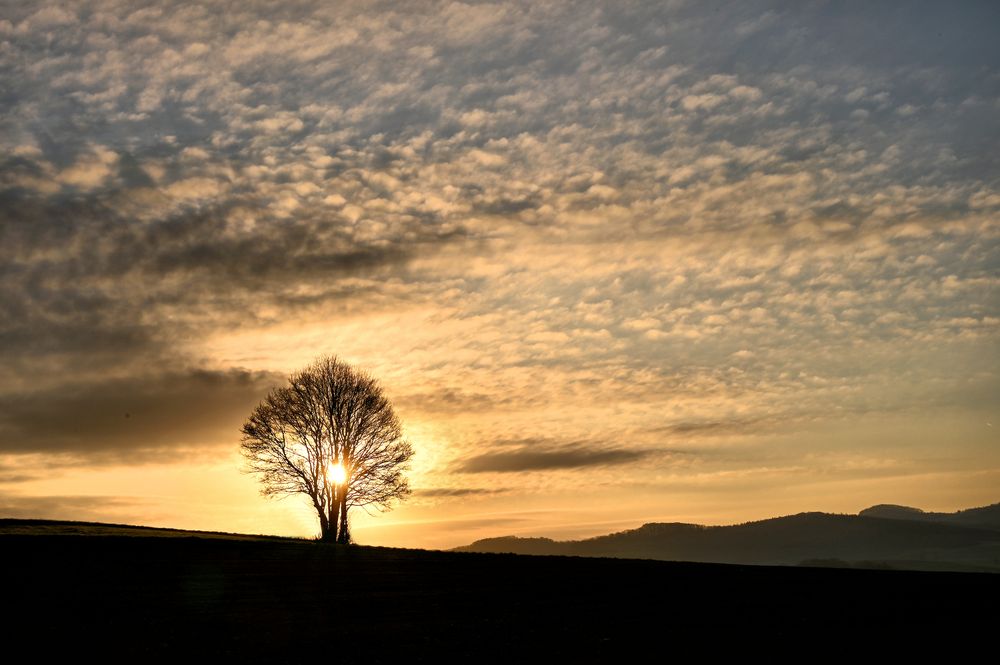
(649, 214)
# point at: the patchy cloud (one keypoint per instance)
(584, 220)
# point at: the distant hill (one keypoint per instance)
(987, 517)
(879, 537)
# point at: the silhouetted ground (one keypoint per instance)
(189, 597)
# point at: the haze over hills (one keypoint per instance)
(880, 536)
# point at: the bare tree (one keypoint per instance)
(332, 435)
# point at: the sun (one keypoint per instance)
(337, 473)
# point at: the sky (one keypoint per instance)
(612, 262)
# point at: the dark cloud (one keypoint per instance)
(82, 508)
(7, 478)
(450, 401)
(486, 522)
(88, 239)
(569, 457)
(713, 427)
(457, 491)
(110, 291)
(134, 417)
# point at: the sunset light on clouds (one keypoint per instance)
(612, 262)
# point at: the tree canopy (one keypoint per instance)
(332, 435)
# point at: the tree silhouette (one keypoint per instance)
(332, 435)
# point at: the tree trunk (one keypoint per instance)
(344, 537)
(327, 535)
(327, 521)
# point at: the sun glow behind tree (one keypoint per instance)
(337, 474)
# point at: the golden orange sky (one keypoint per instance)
(612, 263)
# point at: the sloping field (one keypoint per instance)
(195, 597)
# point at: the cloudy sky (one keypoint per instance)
(613, 262)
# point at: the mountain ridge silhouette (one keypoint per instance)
(883, 536)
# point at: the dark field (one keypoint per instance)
(182, 597)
